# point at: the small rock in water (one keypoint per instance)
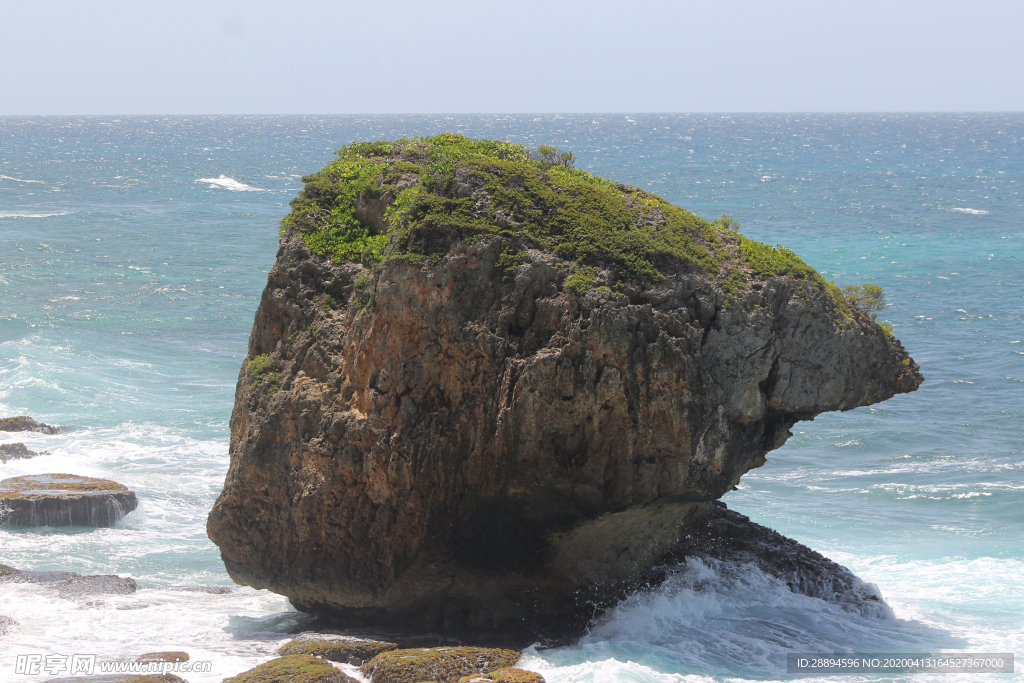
(292, 669)
(78, 586)
(69, 584)
(441, 664)
(23, 423)
(17, 451)
(63, 500)
(6, 625)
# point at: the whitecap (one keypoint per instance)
(227, 183)
(18, 214)
(21, 180)
(971, 212)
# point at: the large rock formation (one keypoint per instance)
(510, 412)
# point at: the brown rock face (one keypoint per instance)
(438, 446)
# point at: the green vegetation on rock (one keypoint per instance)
(414, 198)
(441, 664)
(465, 188)
(292, 669)
(259, 372)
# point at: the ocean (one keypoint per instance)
(133, 251)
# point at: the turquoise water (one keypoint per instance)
(133, 252)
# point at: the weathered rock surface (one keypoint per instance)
(441, 664)
(16, 451)
(63, 500)
(445, 449)
(292, 669)
(23, 423)
(336, 648)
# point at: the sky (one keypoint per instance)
(509, 56)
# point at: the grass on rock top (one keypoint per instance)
(446, 188)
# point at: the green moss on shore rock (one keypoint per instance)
(441, 664)
(343, 649)
(416, 197)
(292, 669)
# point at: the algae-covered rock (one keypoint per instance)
(17, 451)
(23, 423)
(337, 648)
(171, 656)
(63, 500)
(292, 669)
(485, 394)
(442, 664)
(510, 675)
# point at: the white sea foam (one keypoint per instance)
(226, 183)
(21, 180)
(720, 619)
(22, 214)
(971, 212)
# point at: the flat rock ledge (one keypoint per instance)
(23, 423)
(17, 451)
(336, 648)
(63, 500)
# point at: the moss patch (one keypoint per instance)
(441, 664)
(292, 669)
(337, 649)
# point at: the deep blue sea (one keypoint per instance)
(133, 252)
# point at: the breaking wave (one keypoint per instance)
(227, 183)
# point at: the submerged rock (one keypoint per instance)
(336, 648)
(63, 500)
(17, 451)
(487, 395)
(23, 423)
(7, 625)
(292, 669)
(441, 664)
